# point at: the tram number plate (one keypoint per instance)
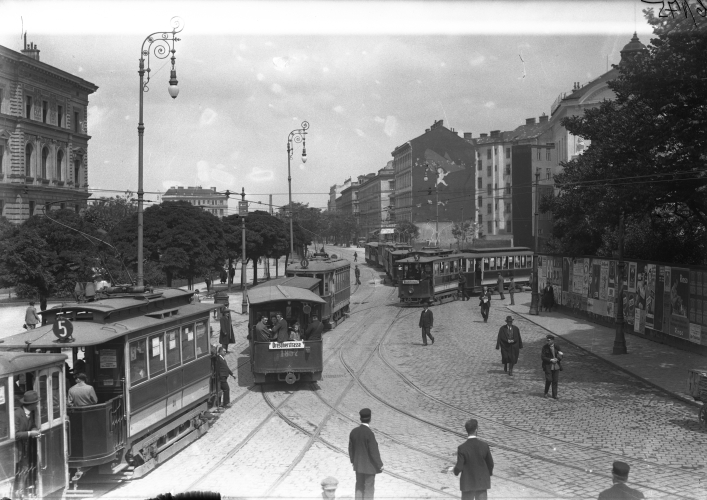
(287, 345)
(288, 354)
(411, 282)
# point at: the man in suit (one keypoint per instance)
(365, 457)
(223, 371)
(499, 285)
(475, 463)
(262, 332)
(25, 429)
(357, 273)
(314, 330)
(280, 329)
(426, 322)
(620, 491)
(462, 286)
(510, 343)
(552, 364)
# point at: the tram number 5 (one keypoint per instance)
(63, 328)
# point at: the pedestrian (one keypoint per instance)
(548, 299)
(280, 329)
(223, 276)
(223, 371)
(499, 285)
(31, 317)
(365, 457)
(510, 343)
(227, 336)
(462, 287)
(231, 274)
(426, 323)
(82, 394)
(475, 463)
(207, 281)
(262, 332)
(512, 290)
(357, 272)
(25, 429)
(196, 298)
(485, 303)
(355, 257)
(314, 330)
(552, 364)
(620, 491)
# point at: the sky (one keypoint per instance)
(366, 75)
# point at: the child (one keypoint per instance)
(295, 332)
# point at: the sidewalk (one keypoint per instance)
(660, 365)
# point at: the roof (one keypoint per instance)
(294, 281)
(87, 333)
(14, 362)
(400, 252)
(315, 265)
(372, 244)
(261, 295)
(426, 260)
(192, 191)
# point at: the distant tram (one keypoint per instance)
(481, 267)
(372, 253)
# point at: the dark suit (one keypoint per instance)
(551, 376)
(475, 464)
(366, 460)
(314, 331)
(485, 306)
(620, 491)
(281, 331)
(262, 333)
(426, 323)
(499, 285)
(509, 350)
(223, 371)
(23, 425)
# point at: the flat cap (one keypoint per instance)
(550, 337)
(620, 469)
(365, 413)
(330, 483)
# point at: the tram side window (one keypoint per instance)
(202, 340)
(517, 261)
(156, 345)
(326, 283)
(187, 343)
(486, 264)
(56, 398)
(4, 411)
(320, 277)
(505, 262)
(172, 348)
(43, 401)
(138, 361)
(492, 263)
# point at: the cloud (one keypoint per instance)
(301, 166)
(524, 45)
(391, 125)
(276, 88)
(260, 77)
(207, 117)
(127, 117)
(338, 109)
(325, 70)
(442, 64)
(476, 59)
(360, 132)
(96, 116)
(260, 175)
(378, 119)
(280, 63)
(206, 174)
(202, 171)
(235, 155)
(489, 105)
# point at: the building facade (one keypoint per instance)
(374, 201)
(207, 199)
(347, 203)
(43, 136)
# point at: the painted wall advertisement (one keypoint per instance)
(679, 300)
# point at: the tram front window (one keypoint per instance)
(138, 361)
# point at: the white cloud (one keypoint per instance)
(276, 88)
(489, 105)
(338, 109)
(80, 69)
(207, 117)
(301, 166)
(260, 175)
(280, 63)
(325, 70)
(127, 117)
(360, 132)
(260, 77)
(203, 170)
(243, 47)
(206, 174)
(442, 64)
(476, 59)
(235, 155)
(96, 115)
(391, 125)
(524, 45)
(378, 119)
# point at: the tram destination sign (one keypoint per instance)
(298, 344)
(411, 282)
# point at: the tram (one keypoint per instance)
(147, 355)
(429, 279)
(372, 253)
(481, 267)
(286, 361)
(334, 275)
(387, 249)
(45, 471)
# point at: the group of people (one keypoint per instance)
(280, 331)
(474, 463)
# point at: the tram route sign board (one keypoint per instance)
(243, 208)
(287, 345)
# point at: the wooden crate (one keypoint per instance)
(697, 384)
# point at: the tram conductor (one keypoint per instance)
(314, 330)
(25, 429)
(224, 371)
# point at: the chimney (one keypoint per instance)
(543, 118)
(31, 50)
(467, 135)
(437, 123)
(530, 121)
(483, 136)
(495, 133)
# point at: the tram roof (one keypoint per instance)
(14, 362)
(319, 265)
(88, 333)
(400, 252)
(426, 260)
(276, 293)
(372, 244)
(294, 281)
(495, 252)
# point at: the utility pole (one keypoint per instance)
(243, 212)
(619, 338)
(534, 295)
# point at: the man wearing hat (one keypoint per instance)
(510, 343)
(619, 491)
(426, 322)
(552, 364)
(25, 429)
(475, 464)
(365, 457)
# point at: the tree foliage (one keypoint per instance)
(465, 232)
(648, 156)
(407, 231)
(107, 213)
(339, 226)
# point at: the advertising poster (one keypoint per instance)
(637, 324)
(594, 274)
(586, 270)
(108, 358)
(566, 275)
(695, 333)
(577, 276)
(631, 276)
(610, 309)
(590, 305)
(604, 279)
(612, 273)
(650, 294)
(629, 307)
(658, 298)
(679, 300)
(641, 286)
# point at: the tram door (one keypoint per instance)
(51, 445)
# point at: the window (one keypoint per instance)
(496, 205)
(480, 201)
(495, 168)
(28, 107)
(479, 184)
(508, 170)
(508, 207)
(60, 117)
(509, 226)
(504, 261)
(28, 160)
(489, 190)
(486, 264)
(2, 95)
(548, 173)
(488, 154)
(490, 227)
(76, 121)
(481, 219)
(60, 165)
(497, 227)
(138, 362)
(547, 154)
(45, 155)
(508, 189)
(45, 111)
(508, 152)
(4, 411)
(2, 156)
(77, 166)
(156, 345)
(202, 340)
(480, 165)
(488, 170)
(488, 208)
(537, 153)
(187, 343)
(43, 400)
(31, 208)
(56, 399)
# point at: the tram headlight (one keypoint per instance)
(410, 290)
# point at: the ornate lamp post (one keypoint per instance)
(436, 204)
(297, 135)
(534, 295)
(164, 42)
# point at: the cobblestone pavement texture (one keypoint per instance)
(610, 408)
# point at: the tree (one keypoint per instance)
(107, 213)
(465, 231)
(340, 227)
(647, 156)
(407, 230)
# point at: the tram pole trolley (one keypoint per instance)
(697, 388)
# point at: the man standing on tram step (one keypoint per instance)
(25, 429)
(475, 463)
(223, 371)
(227, 336)
(499, 285)
(357, 272)
(620, 491)
(280, 330)
(552, 364)
(485, 303)
(355, 257)
(426, 323)
(365, 457)
(510, 343)
(31, 317)
(314, 330)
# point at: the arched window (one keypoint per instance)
(45, 155)
(28, 160)
(59, 164)
(77, 168)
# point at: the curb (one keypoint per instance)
(620, 368)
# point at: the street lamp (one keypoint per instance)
(297, 135)
(243, 213)
(436, 204)
(164, 42)
(534, 295)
